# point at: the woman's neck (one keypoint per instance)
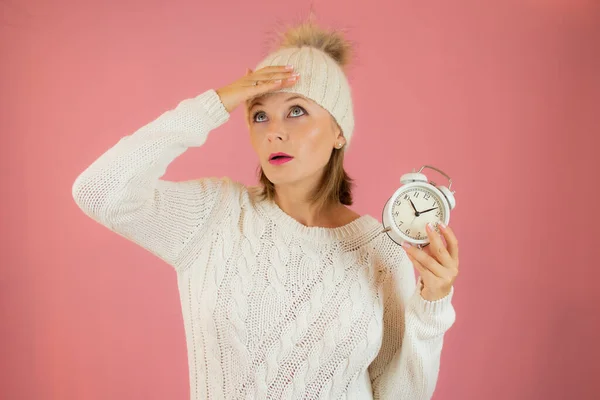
(296, 204)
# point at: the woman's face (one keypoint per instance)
(299, 128)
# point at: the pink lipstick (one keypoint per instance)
(279, 158)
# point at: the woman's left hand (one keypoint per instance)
(437, 264)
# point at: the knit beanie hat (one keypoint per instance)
(320, 57)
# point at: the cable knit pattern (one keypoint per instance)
(272, 309)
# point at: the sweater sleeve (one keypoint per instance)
(407, 366)
(122, 189)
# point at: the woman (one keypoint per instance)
(285, 291)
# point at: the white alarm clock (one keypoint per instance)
(417, 202)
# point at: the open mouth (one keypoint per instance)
(280, 158)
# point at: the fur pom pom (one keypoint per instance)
(308, 33)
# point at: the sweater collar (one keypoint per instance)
(365, 225)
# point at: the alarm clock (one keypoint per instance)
(414, 204)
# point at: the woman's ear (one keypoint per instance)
(340, 141)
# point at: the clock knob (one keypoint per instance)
(448, 195)
(413, 177)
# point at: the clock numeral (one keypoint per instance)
(427, 196)
(406, 197)
(396, 213)
(438, 214)
(416, 195)
(408, 231)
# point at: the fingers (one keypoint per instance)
(423, 271)
(436, 258)
(275, 68)
(437, 263)
(425, 261)
(437, 248)
(435, 276)
(273, 81)
(267, 79)
(272, 77)
(273, 73)
(452, 242)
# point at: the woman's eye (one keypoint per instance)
(298, 108)
(292, 113)
(256, 115)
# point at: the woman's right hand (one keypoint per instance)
(267, 79)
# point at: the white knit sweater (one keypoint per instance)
(273, 309)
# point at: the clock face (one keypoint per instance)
(414, 208)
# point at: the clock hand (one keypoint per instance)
(431, 209)
(414, 208)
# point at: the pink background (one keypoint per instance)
(502, 95)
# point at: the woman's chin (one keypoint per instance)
(278, 176)
(288, 176)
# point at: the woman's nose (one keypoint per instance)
(276, 132)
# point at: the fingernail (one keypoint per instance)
(442, 225)
(277, 81)
(406, 245)
(289, 67)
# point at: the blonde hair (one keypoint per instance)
(335, 184)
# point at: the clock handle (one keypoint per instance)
(441, 172)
